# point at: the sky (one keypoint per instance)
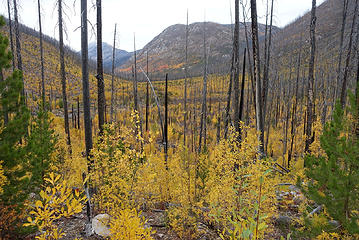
(143, 18)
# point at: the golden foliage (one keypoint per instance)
(57, 200)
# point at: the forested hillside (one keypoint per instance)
(211, 131)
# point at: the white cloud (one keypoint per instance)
(146, 18)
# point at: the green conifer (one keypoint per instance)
(12, 135)
(334, 177)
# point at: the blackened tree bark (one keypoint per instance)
(339, 70)
(165, 135)
(113, 75)
(185, 88)
(18, 48)
(310, 103)
(257, 77)
(11, 34)
(241, 102)
(202, 133)
(347, 60)
(249, 54)
(229, 97)
(85, 82)
(236, 69)
(101, 100)
(41, 57)
(294, 113)
(78, 113)
(147, 94)
(267, 65)
(63, 76)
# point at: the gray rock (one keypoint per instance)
(100, 225)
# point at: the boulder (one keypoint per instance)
(100, 225)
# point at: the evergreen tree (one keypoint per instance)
(334, 177)
(41, 144)
(12, 134)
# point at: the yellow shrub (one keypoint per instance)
(128, 225)
(56, 201)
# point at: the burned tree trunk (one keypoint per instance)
(229, 96)
(147, 95)
(18, 49)
(11, 35)
(202, 133)
(266, 65)
(113, 74)
(101, 101)
(347, 61)
(63, 76)
(294, 114)
(185, 88)
(241, 103)
(339, 70)
(236, 69)
(85, 82)
(256, 75)
(41, 57)
(310, 104)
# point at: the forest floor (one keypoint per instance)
(288, 203)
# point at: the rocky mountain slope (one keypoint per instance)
(167, 50)
(121, 56)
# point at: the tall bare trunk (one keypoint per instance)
(339, 70)
(202, 133)
(78, 113)
(241, 103)
(18, 48)
(236, 69)
(165, 137)
(249, 54)
(113, 74)
(41, 57)
(347, 61)
(266, 65)
(147, 95)
(185, 88)
(85, 81)
(257, 78)
(310, 112)
(63, 76)
(229, 97)
(11, 34)
(101, 100)
(294, 113)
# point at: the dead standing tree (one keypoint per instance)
(256, 76)
(101, 100)
(11, 34)
(113, 75)
(236, 69)
(310, 103)
(85, 82)
(340, 57)
(18, 48)
(347, 60)
(202, 133)
(41, 57)
(185, 88)
(63, 75)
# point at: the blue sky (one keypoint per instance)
(146, 18)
